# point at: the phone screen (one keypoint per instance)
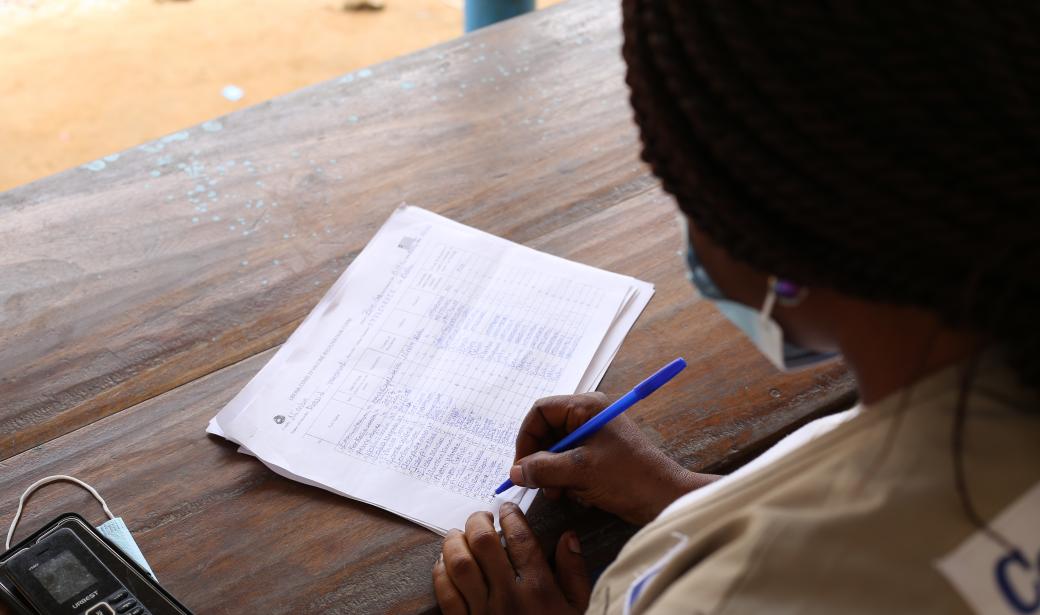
(63, 576)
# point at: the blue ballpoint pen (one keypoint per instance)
(626, 401)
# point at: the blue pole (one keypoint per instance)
(480, 13)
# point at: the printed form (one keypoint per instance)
(406, 385)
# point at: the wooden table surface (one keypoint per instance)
(140, 292)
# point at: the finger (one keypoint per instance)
(550, 417)
(571, 573)
(524, 551)
(552, 493)
(464, 571)
(448, 596)
(566, 470)
(486, 547)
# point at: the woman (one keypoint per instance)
(865, 176)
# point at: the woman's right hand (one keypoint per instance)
(617, 469)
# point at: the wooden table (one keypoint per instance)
(140, 292)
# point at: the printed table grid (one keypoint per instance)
(445, 399)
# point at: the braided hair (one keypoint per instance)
(889, 152)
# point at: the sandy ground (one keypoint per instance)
(80, 79)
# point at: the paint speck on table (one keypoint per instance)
(96, 165)
(365, 72)
(213, 126)
(407, 85)
(177, 136)
(232, 92)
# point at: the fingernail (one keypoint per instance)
(516, 474)
(573, 544)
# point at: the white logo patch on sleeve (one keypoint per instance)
(992, 578)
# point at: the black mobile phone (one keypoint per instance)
(68, 568)
(59, 575)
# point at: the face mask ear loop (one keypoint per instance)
(44, 481)
(770, 301)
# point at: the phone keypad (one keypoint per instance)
(119, 603)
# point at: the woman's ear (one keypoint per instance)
(807, 324)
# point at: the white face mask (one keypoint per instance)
(114, 529)
(758, 326)
(766, 334)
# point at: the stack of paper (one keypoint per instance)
(406, 386)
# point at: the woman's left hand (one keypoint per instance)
(475, 575)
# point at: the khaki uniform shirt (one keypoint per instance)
(853, 521)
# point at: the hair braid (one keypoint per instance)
(890, 154)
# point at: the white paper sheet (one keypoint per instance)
(406, 385)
